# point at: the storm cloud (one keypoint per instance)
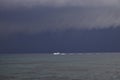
(59, 25)
(31, 3)
(54, 15)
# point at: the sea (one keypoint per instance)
(83, 66)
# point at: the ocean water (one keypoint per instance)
(103, 66)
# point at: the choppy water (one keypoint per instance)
(67, 67)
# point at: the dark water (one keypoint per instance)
(67, 67)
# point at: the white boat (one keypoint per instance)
(57, 53)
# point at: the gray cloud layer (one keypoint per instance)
(30, 3)
(59, 19)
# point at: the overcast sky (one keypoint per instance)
(39, 17)
(28, 16)
(29, 3)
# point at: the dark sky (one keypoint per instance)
(42, 26)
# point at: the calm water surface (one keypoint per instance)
(67, 67)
